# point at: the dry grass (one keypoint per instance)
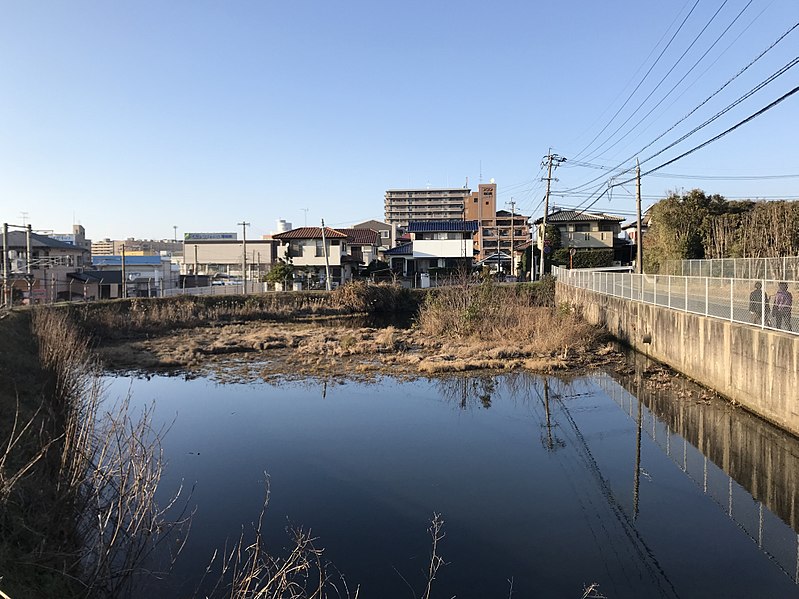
(487, 315)
(93, 478)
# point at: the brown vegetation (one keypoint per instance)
(462, 328)
(77, 503)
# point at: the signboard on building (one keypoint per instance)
(208, 236)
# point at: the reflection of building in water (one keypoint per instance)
(732, 456)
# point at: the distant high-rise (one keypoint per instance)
(405, 205)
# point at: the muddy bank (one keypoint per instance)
(269, 350)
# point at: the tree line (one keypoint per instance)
(697, 225)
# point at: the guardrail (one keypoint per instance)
(725, 298)
(784, 268)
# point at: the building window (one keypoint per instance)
(320, 249)
(582, 228)
(385, 234)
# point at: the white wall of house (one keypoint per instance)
(306, 252)
(442, 248)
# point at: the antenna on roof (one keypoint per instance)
(481, 171)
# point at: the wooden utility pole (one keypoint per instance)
(550, 159)
(327, 260)
(195, 265)
(124, 275)
(244, 225)
(639, 239)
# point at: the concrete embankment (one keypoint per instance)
(759, 369)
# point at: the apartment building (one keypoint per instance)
(501, 232)
(135, 247)
(403, 206)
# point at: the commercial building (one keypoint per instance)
(135, 247)
(500, 233)
(221, 256)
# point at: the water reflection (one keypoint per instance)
(552, 482)
(747, 466)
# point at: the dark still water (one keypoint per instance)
(553, 485)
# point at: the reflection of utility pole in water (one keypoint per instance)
(637, 475)
(549, 443)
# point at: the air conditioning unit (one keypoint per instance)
(18, 265)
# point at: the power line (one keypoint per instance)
(630, 97)
(705, 101)
(688, 72)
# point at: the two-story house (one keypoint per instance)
(582, 230)
(41, 274)
(340, 250)
(434, 245)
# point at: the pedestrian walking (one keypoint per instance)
(758, 305)
(783, 304)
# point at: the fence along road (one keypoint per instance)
(723, 298)
(785, 268)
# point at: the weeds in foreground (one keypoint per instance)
(107, 469)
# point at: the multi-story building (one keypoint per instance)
(76, 238)
(140, 247)
(500, 233)
(405, 205)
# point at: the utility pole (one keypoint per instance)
(512, 226)
(175, 229)
(327, 261)
(244, 224)
(549, 159)
(639, 240)
(195, 265)
(124, 276)
(6, 301)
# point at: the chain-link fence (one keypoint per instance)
(733, 299)
(785, 268)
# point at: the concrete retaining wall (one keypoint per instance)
(756, 368)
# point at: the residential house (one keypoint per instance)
(434, 246)
(583, 230)
(363, 245)
(41, 275)
(387, 232)
(312, 251)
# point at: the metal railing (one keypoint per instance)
(785, 268)
(725, 298)
(234, 289)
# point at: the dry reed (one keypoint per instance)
(110, 467)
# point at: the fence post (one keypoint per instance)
(707, 280)
(732, 300)
(655, 292)
(686, 293)
(669, 297)
(763, 307)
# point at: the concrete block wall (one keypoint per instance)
(759, 369)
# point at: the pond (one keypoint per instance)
(545, 485)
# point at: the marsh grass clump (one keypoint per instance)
(503, 321)
(361, 297)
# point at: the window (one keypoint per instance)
(295, 249)
(385, 234)
(582, 228)
(320, 248)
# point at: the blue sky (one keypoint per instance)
(132, 117)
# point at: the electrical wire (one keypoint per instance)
(640, 83)
(688, 72)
